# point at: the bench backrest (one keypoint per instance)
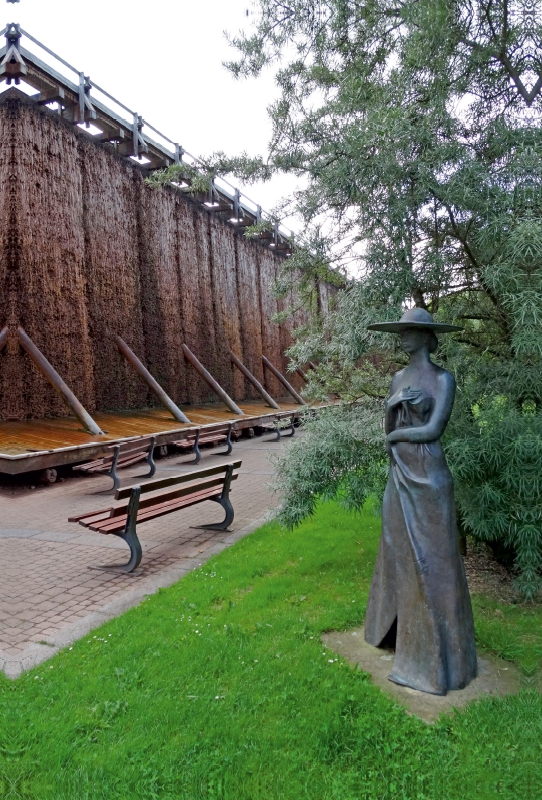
(206, 430)
(187, 477)
(128, 447)
(203, 490)
(215, 428)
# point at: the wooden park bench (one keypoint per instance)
(214, 435)
(165, 496)
(123, 455)
(279, 425)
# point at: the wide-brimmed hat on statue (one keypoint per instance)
(414, 318)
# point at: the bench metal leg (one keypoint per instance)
(113, 471)
(150, 459)
(224, 501)
(276, 433)
(229, 444)
(291, 427)
(196, 450)
(129, 535)
(228, 519)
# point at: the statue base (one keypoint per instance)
(496, 677)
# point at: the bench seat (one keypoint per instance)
(122, 455)
(214, 435)
(165, 496)
(279, 425)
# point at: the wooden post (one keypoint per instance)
(57, 383)
(3, 337)
(153, 385)
(302, 374)
(256, 383)
(208, 378)
(288, 386)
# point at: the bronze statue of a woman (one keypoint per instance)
(419, 601)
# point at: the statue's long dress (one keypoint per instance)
(419, 594)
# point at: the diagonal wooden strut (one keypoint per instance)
(208, 378)
(153, 385)
(3, 337)
(288, 386)
(48, 371)
(254, 381)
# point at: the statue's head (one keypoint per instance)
(413, 339)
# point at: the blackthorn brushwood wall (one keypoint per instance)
(89, 250)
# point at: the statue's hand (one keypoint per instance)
(403, 395)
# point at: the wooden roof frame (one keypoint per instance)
(127, 136)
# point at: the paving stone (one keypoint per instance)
(50, 590)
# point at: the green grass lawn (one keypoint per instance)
(219, 687)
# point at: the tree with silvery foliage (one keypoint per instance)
(414, 128)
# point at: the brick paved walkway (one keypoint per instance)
(49, 593)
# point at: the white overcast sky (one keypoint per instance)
(163, 59)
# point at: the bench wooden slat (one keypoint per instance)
(215, 429)
(189, 441)
(129, 459)
(185, 490)
(131, 446)
(136, 444)
(163, 483)
(219, 430)
(92, 518)
(105, 463)
(90, 513)
(214, 486)
(91, 465)
(111, 525)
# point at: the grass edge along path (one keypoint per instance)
(219, 687)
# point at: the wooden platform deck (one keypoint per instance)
(42, 443)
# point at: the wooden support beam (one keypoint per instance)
(156, 159)
(55, 95)
(254, 381)
(302, 374)
(288, 386)
(3, 337)
(153, 385)
(219, 207)
(48, 371)
(208, 378)
(112, 135)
